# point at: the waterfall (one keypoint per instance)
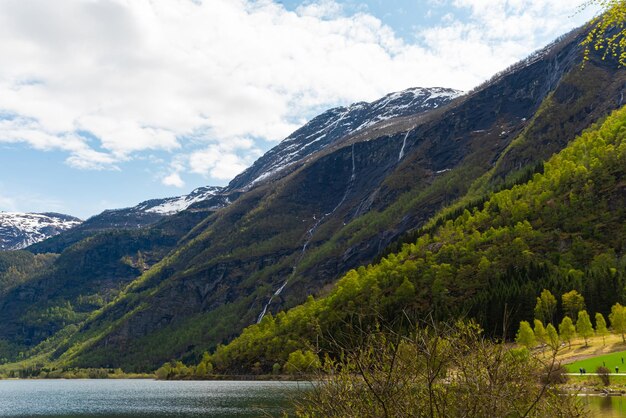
(309, 237)
(403, 145)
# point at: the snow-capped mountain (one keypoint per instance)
(19, 230)
(335, 124)
(144, 214)
(321, 132)
(172, 205)
(149, 211)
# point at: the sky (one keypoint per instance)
(106, 103)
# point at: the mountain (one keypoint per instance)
(139, 216)
(313, 137)
(171, 205)
(335, 124)
(563, 229)
(19, 230)
(196, 279)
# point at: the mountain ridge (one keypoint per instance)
(333, 124)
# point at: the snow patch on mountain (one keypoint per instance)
(19, 230)
(172, 205)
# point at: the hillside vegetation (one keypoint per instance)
(564, 229)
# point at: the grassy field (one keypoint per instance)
(596, 347)
(612, 360)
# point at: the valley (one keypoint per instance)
(423, 225)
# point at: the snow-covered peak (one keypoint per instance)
(19, 230)
(172, 205)
(335, 124)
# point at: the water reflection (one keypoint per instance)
(606, 406)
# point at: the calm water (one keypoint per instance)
(607, 406)
(158, 399)
(144, 398)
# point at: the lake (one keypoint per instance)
(151, 398)
(145, 398)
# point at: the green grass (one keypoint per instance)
(609, 360)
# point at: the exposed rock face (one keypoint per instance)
(19, 230)
(335, 124)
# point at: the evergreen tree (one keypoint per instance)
(525, 335)
(583, 326)
(618, 319)
(567, 330)
(545, 307)
(601, 327)
(573, 302)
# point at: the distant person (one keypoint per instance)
(622, 360)
(616, 369)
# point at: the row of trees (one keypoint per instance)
(569, 328)
(299, 362)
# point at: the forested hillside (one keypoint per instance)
(564, 229)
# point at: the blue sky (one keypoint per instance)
(105, 103)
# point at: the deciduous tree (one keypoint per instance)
(567, 330)
(618, 319)
(573, 302)
(545, 307)
(583, 326)
(540, 332)
(525, 335)
(601, 327)
(608, 30)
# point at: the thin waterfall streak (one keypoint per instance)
(403, 145)
(309, 237)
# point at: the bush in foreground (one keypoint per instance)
(438, 371)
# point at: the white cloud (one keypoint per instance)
(222, 161)
(174, 180)
(105, 80)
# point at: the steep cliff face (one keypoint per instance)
(300, 228)
(335, 124)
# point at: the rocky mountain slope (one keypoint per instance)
(314, 136)
(335, 124)
(19, 230)
(296, 232)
